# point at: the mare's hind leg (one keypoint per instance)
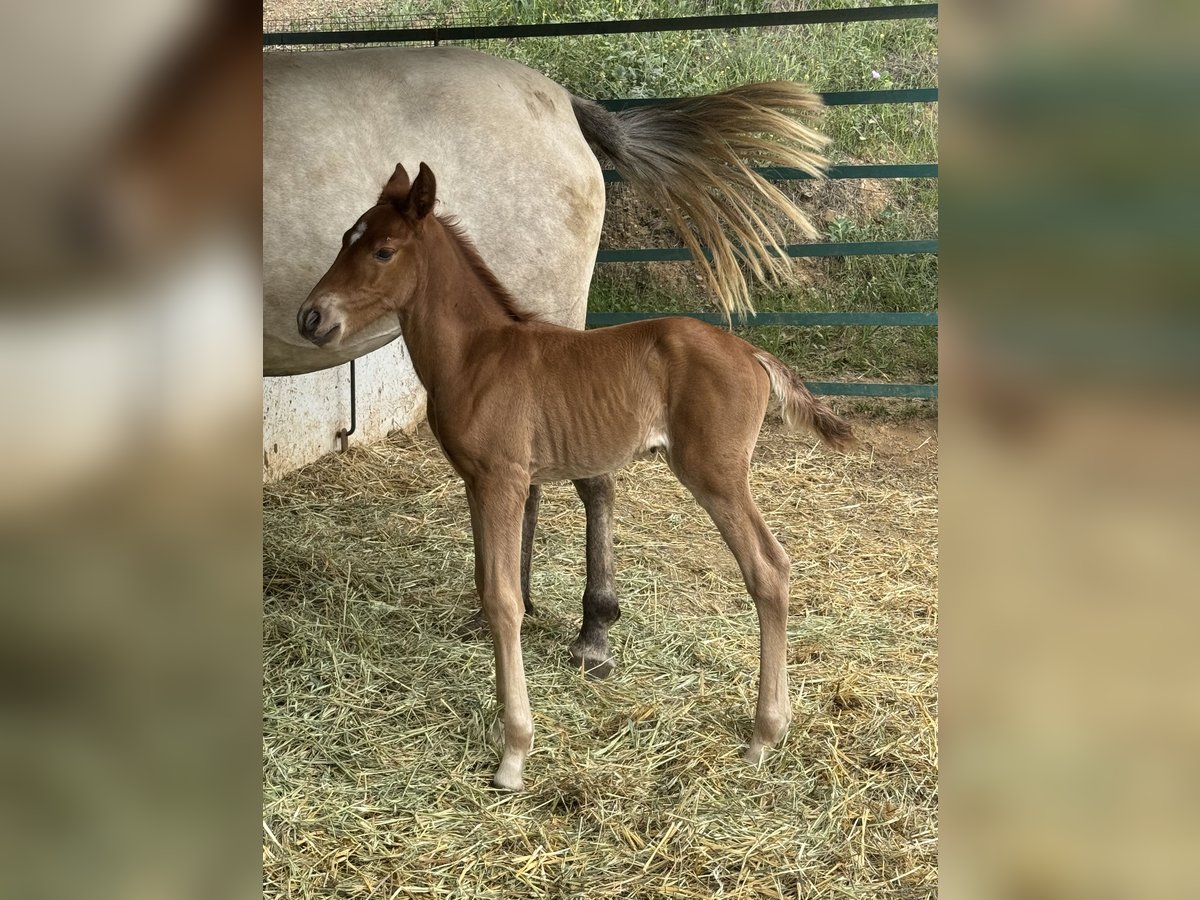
(724, 492)
(590, 651)
(528, 526)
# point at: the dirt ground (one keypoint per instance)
(906, 445)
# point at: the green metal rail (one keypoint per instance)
(776, 318)
(671, 254)
(829, 98)
(618, 26)
(873, 389)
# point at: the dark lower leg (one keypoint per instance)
(528, 525)
(590, 650)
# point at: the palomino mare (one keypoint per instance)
(513, 153)
(513, 400)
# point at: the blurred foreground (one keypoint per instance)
(1070, 369)
(129, 500)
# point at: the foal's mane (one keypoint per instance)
(471, 254)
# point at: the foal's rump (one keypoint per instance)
(716, 382)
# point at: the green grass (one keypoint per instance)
(853, 56)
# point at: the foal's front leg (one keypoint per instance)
(496, 514)
(590, 651)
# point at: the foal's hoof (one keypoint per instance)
(754, 755)
(760, 747)
(594, 664)
(508, 776)
(503, 784)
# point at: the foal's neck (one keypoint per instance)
(457, 300)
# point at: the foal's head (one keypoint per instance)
(378, 269)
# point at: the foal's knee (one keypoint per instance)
(503, 615)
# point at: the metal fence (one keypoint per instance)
(439, 33)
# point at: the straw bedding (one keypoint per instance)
(379, 688)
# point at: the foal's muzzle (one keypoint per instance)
(315, 326)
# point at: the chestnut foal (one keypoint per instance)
(514, 402)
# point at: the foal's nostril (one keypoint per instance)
(311, 320)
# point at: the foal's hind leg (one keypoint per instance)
(725, 495)
(528, 526)
(590, 651)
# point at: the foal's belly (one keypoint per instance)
(560, 460)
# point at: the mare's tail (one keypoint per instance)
(801, 409)
(693, 159)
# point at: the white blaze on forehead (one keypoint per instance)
(358, 230)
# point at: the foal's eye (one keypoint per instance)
(383, 254)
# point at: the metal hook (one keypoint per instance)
(343, 434)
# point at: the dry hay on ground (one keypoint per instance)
(378, 698)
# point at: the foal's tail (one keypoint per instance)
(801, 409)
(693, 158)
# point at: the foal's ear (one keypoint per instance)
(396, 190)
(424, 192)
